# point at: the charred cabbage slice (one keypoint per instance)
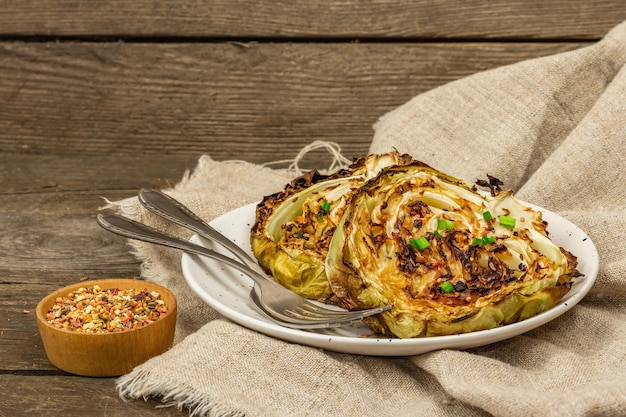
(293, 228)
(467, 274)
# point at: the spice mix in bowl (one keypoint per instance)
(106, 327)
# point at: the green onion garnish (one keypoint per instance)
(507, 221)
(488, 239)
(325, 205)
(481, 241)
(487, 216)
(421, 243)
(437, 234)
(444, 224)
(446, 287)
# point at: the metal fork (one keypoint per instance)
(283, 306)
(173, 210)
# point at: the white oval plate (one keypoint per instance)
(227, 291)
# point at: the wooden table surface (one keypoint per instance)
(100, 99)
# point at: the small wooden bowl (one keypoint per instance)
(106, 354)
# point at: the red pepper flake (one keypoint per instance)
(97, 310)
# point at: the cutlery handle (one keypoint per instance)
(131, 229)
(173, 210)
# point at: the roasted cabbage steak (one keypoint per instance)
(447, 257)
(293, 228)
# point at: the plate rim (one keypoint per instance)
(385, 346)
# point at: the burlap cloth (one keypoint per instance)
(554, 130)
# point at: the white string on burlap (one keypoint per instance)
(338, 159)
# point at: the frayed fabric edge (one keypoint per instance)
(140, 384)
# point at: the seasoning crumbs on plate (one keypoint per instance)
(97, 310)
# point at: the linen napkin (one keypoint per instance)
(554, 130)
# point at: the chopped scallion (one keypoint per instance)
(507, 221)
(446, 287)
(487, 216)
(488, 239)
(485, 240)
(444, 224)
(421, 243)
(325, 205)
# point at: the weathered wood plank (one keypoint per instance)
(579, 19)
(36, 248)
(21, 348)
(258, 101)
(50, 238)
(71, 396)
(38, 182)
(48, 205)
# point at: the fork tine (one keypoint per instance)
(295, 314)
(316, 313)
(303, 314)
(290, 318)
(309, 307)
(300, 314)
(286, 321)
(334, 316)
(322, 314)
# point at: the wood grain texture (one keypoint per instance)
(48, 206)
(426, 19)
(45, 179)
(50, 238)
(47, 395)
(35, 248)
(21, 347)
(232, 101)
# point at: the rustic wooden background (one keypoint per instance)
(99, 99)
